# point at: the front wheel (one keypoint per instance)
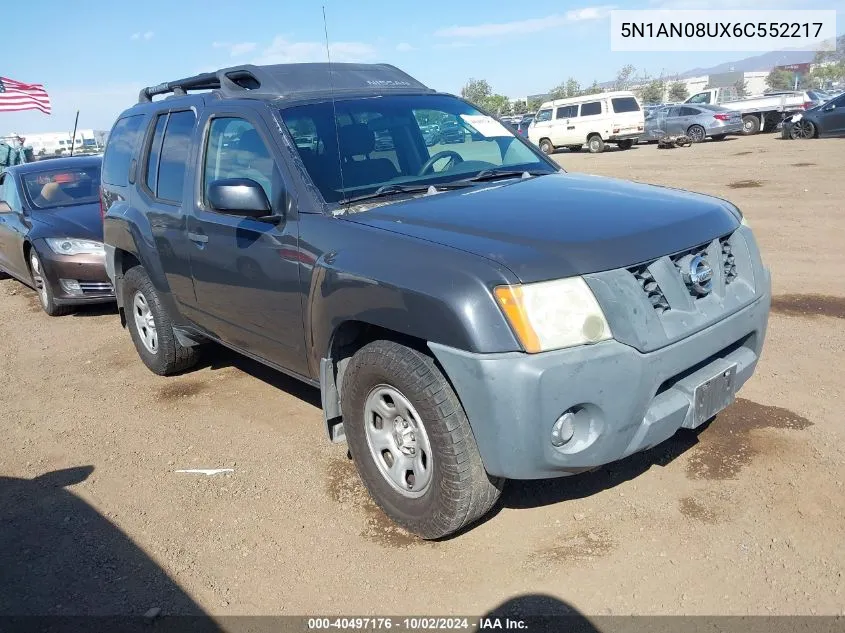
(45, 291)
(803, 129)
(151, 328)
(546, 146)
(412, 443)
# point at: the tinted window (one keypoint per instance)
(53, 188)
(567, 112)
(543, 115)
(235, 150)
(687, 111)
(174, 156)
(155, 148)
(9, 193)
(625, 104)
(590, 108)
(121, 147)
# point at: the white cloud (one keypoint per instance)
(522, 27)
(281, 51)
(146, 36)
(236, 49)
(149, 35)
(404, 47)
(135, 36)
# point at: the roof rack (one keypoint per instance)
(284, 80)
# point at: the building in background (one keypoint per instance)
(59, 143)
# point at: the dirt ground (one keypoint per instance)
(744, 517)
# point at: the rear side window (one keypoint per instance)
(687, 111)
(543, 115)
(625, 104)
(174, 156)
(155, 149)
(590, 108)
(120, 149)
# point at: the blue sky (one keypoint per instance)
(97, 55)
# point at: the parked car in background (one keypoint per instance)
(819, 97)
(696, 122)
(523, 125)
(451, 131)
(431, 134)
(827, 119)
(762, 112)
(51, 232)
(611, 117)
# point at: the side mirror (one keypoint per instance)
(239, 196)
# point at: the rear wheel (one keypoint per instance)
(626, 144)
(44, 289)
(803, 129)
(546, 146)
(596, 144)
(750, 124)
(696, 133)
(412, 443)
(151, 327)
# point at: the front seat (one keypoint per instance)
(357, 141)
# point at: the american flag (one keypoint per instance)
(16, 95)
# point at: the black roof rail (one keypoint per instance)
(282, 80)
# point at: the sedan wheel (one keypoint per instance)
(38, 280)
(696, 134)
(803, 129)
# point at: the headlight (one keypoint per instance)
(553, 314)
(71, 246)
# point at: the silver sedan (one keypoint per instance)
(695, 121)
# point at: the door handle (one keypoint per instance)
(198, 238)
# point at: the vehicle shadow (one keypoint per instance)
(216, 357)
(536, 612)
(95, 310)
(541, 492)
(59, 557)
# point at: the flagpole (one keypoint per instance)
(73, 140)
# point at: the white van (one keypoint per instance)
(607, 117)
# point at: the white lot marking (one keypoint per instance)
(206, 471)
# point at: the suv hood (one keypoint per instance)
(82, 221)
(560, 225)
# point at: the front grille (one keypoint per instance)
(728, 261)
(650, 286)
(95, 287)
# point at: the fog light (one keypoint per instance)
(563, 429)
(70, 286)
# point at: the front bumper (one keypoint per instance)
(630, 401)
(88, 271)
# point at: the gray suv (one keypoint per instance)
(470, 313)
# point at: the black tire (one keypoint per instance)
(626, 144)
(169, 357)
(574, 148)
(803, 129)
(460, 490)
(750, 124)
(546, 146)
(718, 137)
(696, 134)
(46, 296)
(595, 144)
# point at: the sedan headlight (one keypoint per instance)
(553, 314)
(72, 246)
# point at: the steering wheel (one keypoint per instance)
(453, 156)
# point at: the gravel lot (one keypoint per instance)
(744, 517)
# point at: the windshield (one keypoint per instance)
(401, 140)
(54, 188)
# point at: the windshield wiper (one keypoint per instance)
(501, 174)
(394, 189)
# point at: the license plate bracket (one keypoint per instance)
(714, 395)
